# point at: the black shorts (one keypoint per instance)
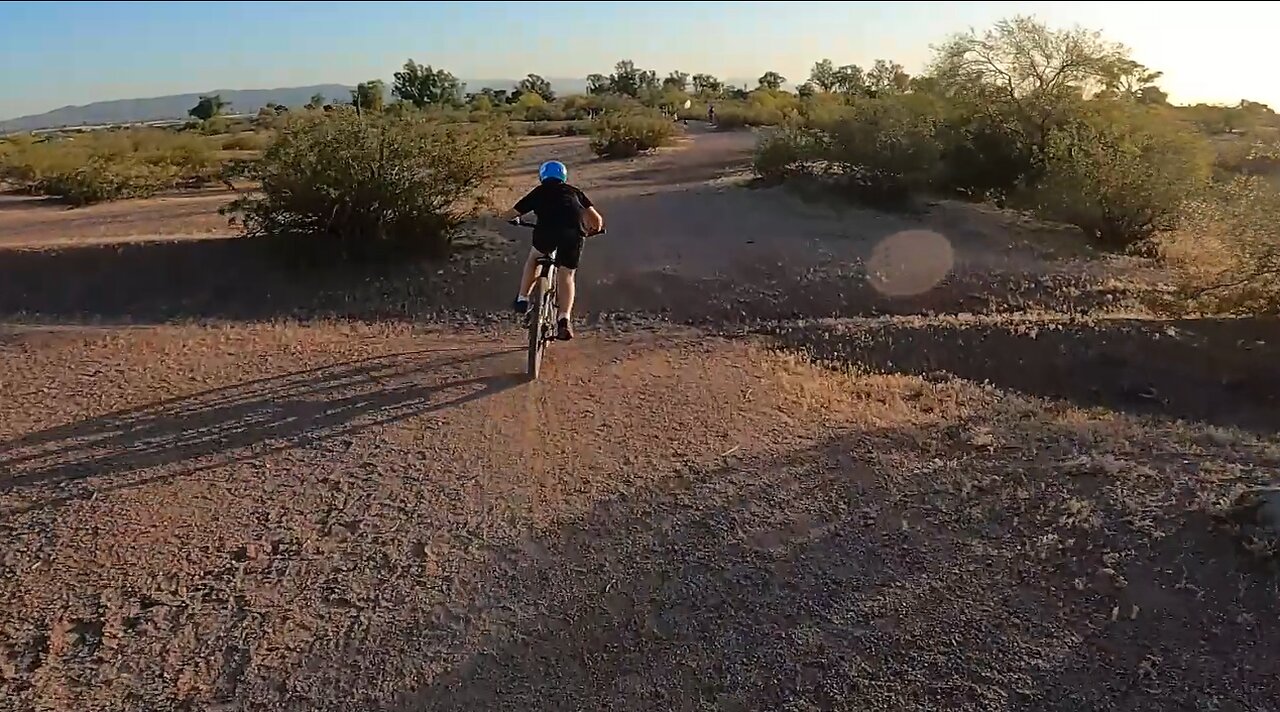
(567, 244)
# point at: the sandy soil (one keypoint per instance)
(877, 468)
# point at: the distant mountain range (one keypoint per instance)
(243, 101)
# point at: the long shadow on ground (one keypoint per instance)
(241, 422)
(1219, 371)
(823, 580)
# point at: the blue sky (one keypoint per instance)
(58, 53)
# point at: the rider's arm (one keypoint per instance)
(523, 207)
(591, 217)
(594, 220)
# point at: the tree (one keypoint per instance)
(805, 90)
(824, 76)
(369, 96)
(423, 86)
(1026, 71)
(317, 101)
(849, 79)
(707, 85)
(534, 84)
(887, 78)
(678, 81)
(1153, 95)
(208, 107)
(1256, 107)
(1123, 78)
(597, 84)
(772, 81)
(924, 85)
(625, 78)
(649, 80)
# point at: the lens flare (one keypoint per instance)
(910, 262)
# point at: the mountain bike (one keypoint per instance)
(541, 317)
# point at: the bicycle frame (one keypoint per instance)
(540, 319)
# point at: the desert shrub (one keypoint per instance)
(580, 107)
(886, 150)
(224, 125)
(1225, 254)
(1120, 175)
(1250, 158)
(103, 178)
(786, 151)
(730, 117)
(626, 135)
(248, 141)
(339, 186)
(110, 165)
(880, 152)
(984, 157)
(575, 128)
(542, 128)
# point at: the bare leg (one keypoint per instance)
(530, 273)
(564, 292)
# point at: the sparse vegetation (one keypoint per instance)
(1120, 175)
(108, 165)
(1063, 123)
(350, 187)
(1226, 252)
(248, 141)
(952, 445)
(627, 135)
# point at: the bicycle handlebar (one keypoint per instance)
(520, 223)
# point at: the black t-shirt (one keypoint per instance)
(559, 206)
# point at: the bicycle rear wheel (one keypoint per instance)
(538, 319)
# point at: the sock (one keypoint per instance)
(562, 315)
(521, 298)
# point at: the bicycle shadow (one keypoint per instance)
(245, 421)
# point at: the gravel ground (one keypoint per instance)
(346, 503)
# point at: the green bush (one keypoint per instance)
(575, 128)
(787, 151)
(626, 135)
(1120, 174)
(984, 157)
(338, 186)
(248, 141)
(885, 149)
(730, 117)
(103, 178)
(1234, 157)
(109, 165)
(1225, 254)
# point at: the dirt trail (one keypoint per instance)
(352, 514)
(686, 242)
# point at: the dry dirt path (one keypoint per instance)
(686, 242)
(353, 517)
(345, 515)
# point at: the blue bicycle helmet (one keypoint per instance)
(553, 170)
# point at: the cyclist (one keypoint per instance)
(565, 218)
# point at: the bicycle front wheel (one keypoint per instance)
(537, 323)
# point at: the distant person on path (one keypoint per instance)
(711, 114)
(565, 218)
